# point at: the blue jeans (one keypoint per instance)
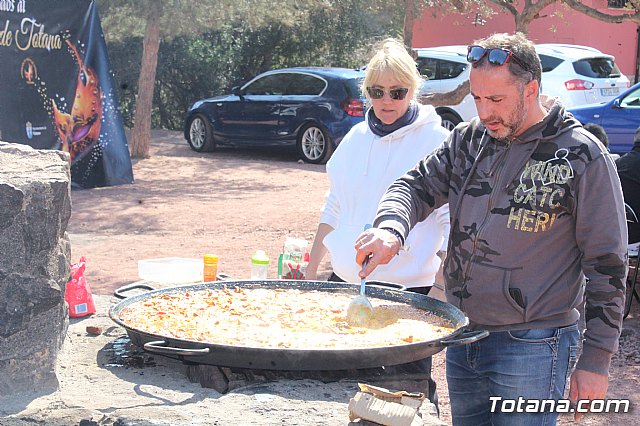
(532, 364)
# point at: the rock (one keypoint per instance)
(35, 206)
(94, 330)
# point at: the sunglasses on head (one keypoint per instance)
(495, 56)
(395, 94)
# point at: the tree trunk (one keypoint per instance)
(633, 14)
(141, 134)
(453, 97)
(522, 25)
(529, 13)
(407, 28)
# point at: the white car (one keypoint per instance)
(578, 75)
(445, 68)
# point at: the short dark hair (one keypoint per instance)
(522, 48)
(597, 131)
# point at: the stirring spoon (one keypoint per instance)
(360, 310)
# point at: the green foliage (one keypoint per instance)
(192, 67)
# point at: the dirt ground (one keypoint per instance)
(231, 203)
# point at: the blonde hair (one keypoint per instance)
(392, 57)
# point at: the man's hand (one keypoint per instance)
(377, 244)
(587, 385)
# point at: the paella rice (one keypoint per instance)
(280, 318)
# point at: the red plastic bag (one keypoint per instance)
(78, 293)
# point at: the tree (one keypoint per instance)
(166, 19)
(632, 13)
(530, 11)
(413, 9)
(453, 97)
(196, 64)
(409, 19)
(141, 135)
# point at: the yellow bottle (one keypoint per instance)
(210, 271)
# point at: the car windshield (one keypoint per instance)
(597, 68)
(632, 99)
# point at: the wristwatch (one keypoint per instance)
(397, 234)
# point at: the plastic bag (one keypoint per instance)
(294, 249)
(293, 261)
(78, 293)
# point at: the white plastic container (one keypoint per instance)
(259, 265)
(169, 270)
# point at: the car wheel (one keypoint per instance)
(201, 134)
(449, 121)
(314, 145)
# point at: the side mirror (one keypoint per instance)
(236, 91)
(616, 103)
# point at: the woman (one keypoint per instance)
(396, 134)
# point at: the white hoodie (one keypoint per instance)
(360, 171)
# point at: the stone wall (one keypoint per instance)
(35, 206)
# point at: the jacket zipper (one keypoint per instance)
(497, 171)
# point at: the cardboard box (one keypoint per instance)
(384, 407)
(170, 270)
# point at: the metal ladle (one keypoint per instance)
(360, 310)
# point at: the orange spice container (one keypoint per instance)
(210, 272)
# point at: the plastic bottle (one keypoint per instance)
(210, 272)
(280, 260)
(259, 265)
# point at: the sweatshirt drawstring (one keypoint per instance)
(386, 162)
(481, 147)
(520, 165)
(366, 164)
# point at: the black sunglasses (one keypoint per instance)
(495, 56)
(395, 94)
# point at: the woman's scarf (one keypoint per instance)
(381, 129)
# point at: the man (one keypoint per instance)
(599, 132)
(629, 172)
(536, 207)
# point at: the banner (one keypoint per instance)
(57, 88)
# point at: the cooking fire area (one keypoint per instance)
(150, 321)
(411, 377)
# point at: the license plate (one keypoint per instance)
(610, 91)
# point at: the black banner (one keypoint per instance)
(57, 88)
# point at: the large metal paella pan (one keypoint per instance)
(298, 359)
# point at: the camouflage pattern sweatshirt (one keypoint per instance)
(530, 219)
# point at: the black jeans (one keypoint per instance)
(423, 365)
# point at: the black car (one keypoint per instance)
(310, 109)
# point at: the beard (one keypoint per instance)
(511, 125)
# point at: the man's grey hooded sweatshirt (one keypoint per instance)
(530, 218)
